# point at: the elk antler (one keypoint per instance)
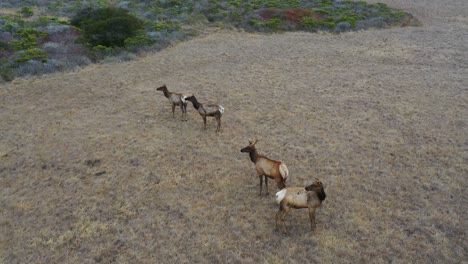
(252, 143)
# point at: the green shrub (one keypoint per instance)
(12, 24)
(166, 25)
(139, 40)
(55, 5)
(26, 38)
(26, 11)
(254, 22)
(328, 23)
(103, 49)
(108, 27)
(99, 52)
(51, 19)
(351, 18)
(4, 46)
(308, 23)
(272, 3)
(273, 23)
(7, 74)
(236, 3)
(32, 54)
(325, 3)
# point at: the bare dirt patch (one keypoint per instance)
(94, 169)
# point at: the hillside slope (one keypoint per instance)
(94, 168)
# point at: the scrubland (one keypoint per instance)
(94, 168)
(43, 37)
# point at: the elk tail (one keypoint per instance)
(221, 110)
(183, 99)
(280, 196)
(284, 171)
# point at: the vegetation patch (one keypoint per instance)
(109, 27)
(290, 19)
(103, 30)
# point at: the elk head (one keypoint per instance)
(162, 88)
(250, 147)
(190, 98)
(317, 187)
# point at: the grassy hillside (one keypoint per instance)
(36, 36)
(94, 168)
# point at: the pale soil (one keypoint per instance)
(93, 168)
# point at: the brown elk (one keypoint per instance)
(205, 110)
(267, 168)
(176, 99)
(310, 197)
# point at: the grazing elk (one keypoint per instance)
(267, 168)
(205, 110)
(175, 99)
(299, 197)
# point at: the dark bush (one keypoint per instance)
(7, 74)
(108, 27)
(4, 46)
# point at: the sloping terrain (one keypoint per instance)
(94, 168)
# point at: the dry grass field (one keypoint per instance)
(94, 168)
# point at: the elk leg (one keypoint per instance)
(218, 119)
(279, 183)
(261, 185)
(283, 216)
(312, 218)
(266, 184)
(277, 216)
(173, 108)
(182, 109)
(204, 122)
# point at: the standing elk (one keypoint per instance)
(267, 168)
(299, 197)
(205, 110)
(176, 99)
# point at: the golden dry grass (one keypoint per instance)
(93, 168)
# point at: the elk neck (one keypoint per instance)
(253, 155)
(166, 92)
(196, 104)
(321, 194)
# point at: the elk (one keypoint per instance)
(267, 168)
(205, 110)
(176, 99)
(310, 197)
